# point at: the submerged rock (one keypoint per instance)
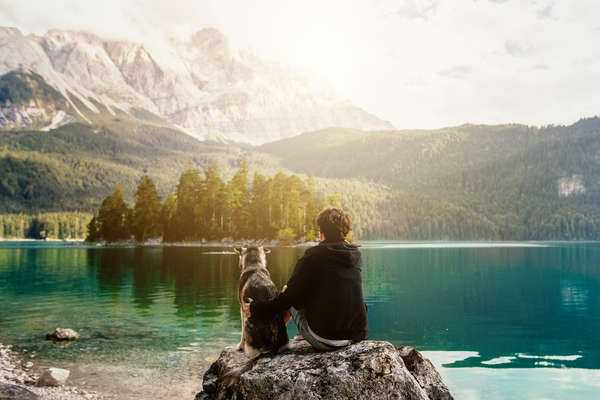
(54, 377)
(365, 370)
(60, 334)
(122, 333)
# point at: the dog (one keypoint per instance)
(260, 337)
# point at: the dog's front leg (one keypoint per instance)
(240, 346)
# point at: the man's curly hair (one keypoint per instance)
(334, 223)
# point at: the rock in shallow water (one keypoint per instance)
(365, 370)
(60, 334)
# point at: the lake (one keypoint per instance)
(498, 320)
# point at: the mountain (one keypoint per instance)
(202, 85)
(27, 101)
(81, 115)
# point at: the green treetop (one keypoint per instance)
(146, 213)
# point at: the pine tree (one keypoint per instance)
(114, 217)
(237, 202)
(212, 203)
(167, 218)
(146, 213)
(189, 196)
(92, 231)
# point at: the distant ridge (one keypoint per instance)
(202, 85)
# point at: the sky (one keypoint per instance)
(421, 64)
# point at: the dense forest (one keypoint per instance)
(206, 208)
(507, 182)
(62, 225)
(20, 88)
(472, 182)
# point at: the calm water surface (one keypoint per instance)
(499, 320)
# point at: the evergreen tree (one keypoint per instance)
(146, 213)
(92, 231)
(260, 224)
(114, 217)
(237, 201)
(167, 218)
(189, 196)
(212, 204)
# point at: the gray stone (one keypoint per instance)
(365, 370)
(54, 377)
(60, 334)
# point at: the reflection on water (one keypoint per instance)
(149, 309)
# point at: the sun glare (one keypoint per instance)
(321, 54)
(319, 48)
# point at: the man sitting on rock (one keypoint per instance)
(324, 294)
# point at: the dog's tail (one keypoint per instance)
(232, 376)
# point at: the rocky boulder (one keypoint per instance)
(54, 377)
(60, 334)
(365, 370)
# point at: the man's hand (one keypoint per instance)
(286, 314)
(247, 306)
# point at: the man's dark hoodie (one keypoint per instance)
(327, 283)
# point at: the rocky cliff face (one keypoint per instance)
(365, 370)
(27, 102)
(32, 115)
(202, 84)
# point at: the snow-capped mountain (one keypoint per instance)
(203, 85)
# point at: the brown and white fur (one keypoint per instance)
(260, 337)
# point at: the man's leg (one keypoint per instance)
(299, 317)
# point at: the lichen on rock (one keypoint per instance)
(364, 370)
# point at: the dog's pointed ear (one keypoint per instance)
(238, 249)
(267, 251)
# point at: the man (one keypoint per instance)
(324, 294)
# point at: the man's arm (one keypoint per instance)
(286, 314)
(297, 290)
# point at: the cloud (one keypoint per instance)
(416, 9)
(108, 18)
(458, 71)
(513, 48)
(546, 12)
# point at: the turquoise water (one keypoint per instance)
(499, 320)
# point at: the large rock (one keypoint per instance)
(54, 377)
(60, 334)
(365, 370)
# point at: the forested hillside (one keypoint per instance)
(505, 182)
(508, 182)
(75, 166)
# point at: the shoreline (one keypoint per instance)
(14, 239)
(156, 242)
(19, 374)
